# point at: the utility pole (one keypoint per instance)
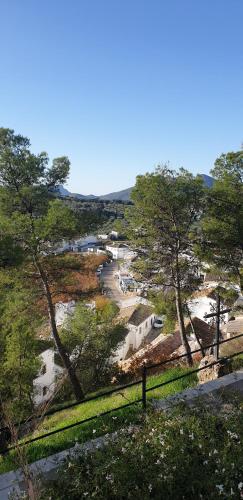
(218, 312)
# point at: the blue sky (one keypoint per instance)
(122, 85)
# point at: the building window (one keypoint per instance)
(43, 370)
(140, 329)
(44, 391)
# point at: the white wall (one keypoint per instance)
(201, 306)
(63, 310)
(47, 380)
(120, 252)
(134, 337)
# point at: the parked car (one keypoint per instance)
(158, 323)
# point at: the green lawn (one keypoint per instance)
(101, 425)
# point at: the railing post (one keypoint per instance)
(144, 380)
(216, 349)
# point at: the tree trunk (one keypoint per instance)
(77, 389)
(182, 329)
(241, 280)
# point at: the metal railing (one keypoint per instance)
(144, 390)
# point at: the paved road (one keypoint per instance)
(111, 282)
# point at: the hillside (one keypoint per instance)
(123, 195)
(208, 180)
(101, 425)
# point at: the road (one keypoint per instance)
(110, 282)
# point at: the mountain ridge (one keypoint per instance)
(123, 195)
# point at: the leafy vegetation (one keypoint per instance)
(175, 224)
(167, 206)
(93, 337)
(188, 453)
(101, 425)
(222, 223)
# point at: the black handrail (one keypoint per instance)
(70, 426)
(77, 403)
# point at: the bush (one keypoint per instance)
(188, 454)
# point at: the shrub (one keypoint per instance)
(187, 454)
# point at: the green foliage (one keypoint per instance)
(101, 425)
(19, 361)
(222, 223)
(167, 208)
(165, 306)
(188, 453)
(167, 205)
(36, 220)
(93, 337)
(229, 295)
(26, 199)
(59, 222)
(229, 166)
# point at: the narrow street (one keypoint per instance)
(110, 282)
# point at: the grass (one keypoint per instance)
(100, 425)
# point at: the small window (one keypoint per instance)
(140, 329)
(44, 391)
(43, 370)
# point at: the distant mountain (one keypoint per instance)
(123, 195)
(118, 195)
(84, 196)
(208, 180)
(64, 192)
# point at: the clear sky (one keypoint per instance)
(122, 85)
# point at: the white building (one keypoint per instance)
(120, 251)
(63, 310)
(204, 302)
(103, 236)
(139, 325)
(114, 235)
(45, 383)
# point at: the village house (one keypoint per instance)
(139, 325)
(233, 327)
(165, 346)
(120, 251)
(44, 385)
(103, 237)
(204, 302)
(114, 235)
(128, 284)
